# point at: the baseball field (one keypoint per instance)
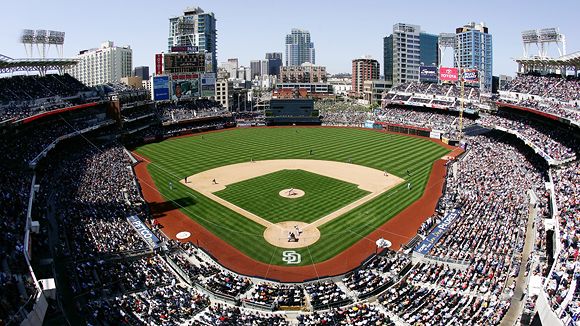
(249, 196)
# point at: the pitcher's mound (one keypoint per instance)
(291, 193)
(279, 234)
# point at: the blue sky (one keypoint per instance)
(340, 30)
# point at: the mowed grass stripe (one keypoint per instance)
(174, 159)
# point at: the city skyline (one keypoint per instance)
(341, 34)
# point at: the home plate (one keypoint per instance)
(183, 235)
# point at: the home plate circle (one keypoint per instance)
(291, 193)
(183, 235)
(291, 234)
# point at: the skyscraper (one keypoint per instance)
(299, 48)
(141, 71)
(362, 70)
(274, 63)
(473, 50)
(406, 50)
(195, 30)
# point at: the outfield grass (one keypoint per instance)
(173, 160)
(323, 195)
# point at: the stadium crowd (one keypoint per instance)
(553, 141)
(431, 89)
(431, 119)
(24, 96)
(326, 294)
(169, 305)
(549, 94)
(359, 314)
(566, 270)
(119, 279)
(420, 305)
(556, 87)
(480, 235)
(380, 272)
(187, 110)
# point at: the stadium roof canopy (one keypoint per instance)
(9, 65)
(569, 61)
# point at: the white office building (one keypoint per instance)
(106, 64)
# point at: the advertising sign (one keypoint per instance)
(161, 88)
(184, 49)
(208, 62)
(158, 64)
(208, 85)
(149, 237)
(448, 74)
(428, 74)
(425, 246)
(470, 75)
(185, 88)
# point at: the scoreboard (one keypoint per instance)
(181, 62)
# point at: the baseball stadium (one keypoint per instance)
(442, 200)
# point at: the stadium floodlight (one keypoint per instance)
(27, 36)
(43, 40)
(55, 37)
(548, 35)
(542, 38)
(530, 36)
(40, 36)
(27, 39)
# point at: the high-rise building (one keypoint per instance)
(194, 31)
(406, 50)
(388, 58)
(305, 73)
(274, 55)
(299, 48)
(274, 63)
(255, 68)
(106, 64)
(473, 50)
(264, 67)
(141, 71)
(259, 68)
(362, 70)
(429, 49)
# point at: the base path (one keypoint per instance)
(398, 230)
(372, 180)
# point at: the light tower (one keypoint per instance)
(43, 40)
(542, 38)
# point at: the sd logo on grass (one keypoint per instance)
(291, 257)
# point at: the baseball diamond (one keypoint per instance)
(218, 209)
